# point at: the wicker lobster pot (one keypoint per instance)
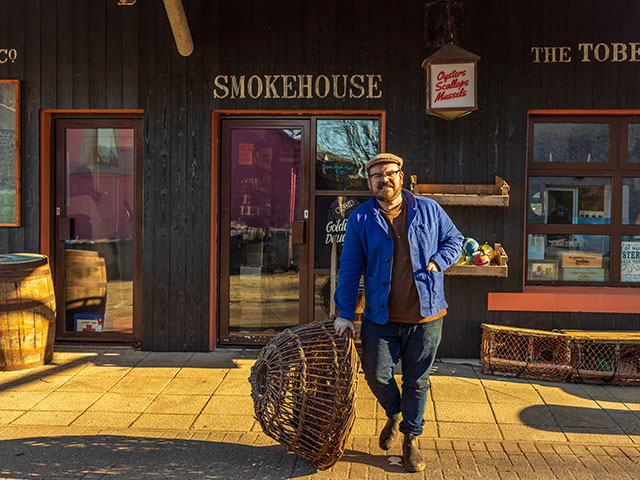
(303, 387)
(523, 352)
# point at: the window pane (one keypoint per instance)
(571, 142)
(567, 258)
(343, 148)
(633, 154)
(99, 255)
(331, 219)
(631, 201)
(569, 200)
(630, 259)
(264, 285)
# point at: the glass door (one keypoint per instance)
(264, 210)
(97, 230)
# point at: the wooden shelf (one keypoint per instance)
(496, 195)
(499, 269)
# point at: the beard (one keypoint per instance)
(387, 192)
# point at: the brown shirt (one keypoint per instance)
(404, 303)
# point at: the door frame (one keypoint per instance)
(215, 217)
(47, 203)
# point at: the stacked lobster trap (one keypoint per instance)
(522, 352)
(566, 355)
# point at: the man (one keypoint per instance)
(403, 244)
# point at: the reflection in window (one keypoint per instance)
(264, 292)
(633, 153)
(631, 201)
(571, 142)
(343, 148)
(567, 258)
(569, 200)
(99, 255)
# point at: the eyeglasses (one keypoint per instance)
(389, 175)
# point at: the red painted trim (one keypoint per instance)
(584, 112)
(569, 299)
(213, 235)
(45, 184)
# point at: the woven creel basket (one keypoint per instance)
(303, 387)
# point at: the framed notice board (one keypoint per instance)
(9, 153)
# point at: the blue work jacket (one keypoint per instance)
(368, 247)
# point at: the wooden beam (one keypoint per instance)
(179, 26)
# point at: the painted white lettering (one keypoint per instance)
(327, 86)
(254, 86)
(373, 86)
(601, 52)
(220, 82)
(336, 226)
(304, 86)
(357, 85)
(237, 86)
(586, 49)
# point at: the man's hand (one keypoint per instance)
(344, 325)
(432, 267)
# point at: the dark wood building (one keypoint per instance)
(210, 185)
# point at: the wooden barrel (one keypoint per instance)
(85, 284)
(27, 311)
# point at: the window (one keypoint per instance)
(343, 146)
(583, 200)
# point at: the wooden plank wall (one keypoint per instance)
(78, 54)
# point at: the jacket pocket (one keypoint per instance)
(436, 290)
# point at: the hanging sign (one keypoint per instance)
(451, 82)
(452, 86)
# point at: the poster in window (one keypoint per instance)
(332, 213)
(630, 262)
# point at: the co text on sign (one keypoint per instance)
(8, 55)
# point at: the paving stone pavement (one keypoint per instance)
(117, 413)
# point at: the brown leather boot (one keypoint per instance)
(411, 455)
(389, 433)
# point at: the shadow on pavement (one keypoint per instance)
(128, 359)
(143, 458)
(587, 391)
(380, 461)
(582, 419)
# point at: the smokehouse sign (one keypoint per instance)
(588, 52)
(297, 86)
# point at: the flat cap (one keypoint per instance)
(384, 158)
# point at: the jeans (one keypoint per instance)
(415, 345)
